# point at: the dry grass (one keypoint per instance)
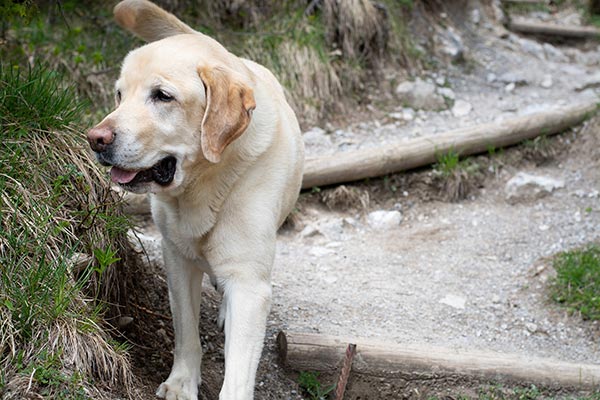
(356, 27)
(54, 205)
(323, 52)
(346, 198)
(312, 85)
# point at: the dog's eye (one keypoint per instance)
(160, 95)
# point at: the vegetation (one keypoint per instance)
(577, 283)
(309, 382)
(55, 214)
(455, 178)
(322, 52)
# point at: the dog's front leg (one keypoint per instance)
(247, 301)
(185, 287)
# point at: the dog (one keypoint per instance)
(213, 140)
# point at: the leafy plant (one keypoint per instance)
(309, 382)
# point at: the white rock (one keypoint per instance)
(384, 220)
(454, 301)
(510, 87)
(524, 186)
(405, 89)
(461, 108)
(547, 81)
(491, 77)
(420, 94)
(309, 231)
(447, 93)
(531, 327)
(408, 114)
(475, 16)
(319, 251)
(452, 44)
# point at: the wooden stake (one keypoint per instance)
(400, 156)
(311, 352)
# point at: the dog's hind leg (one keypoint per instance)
(184, 278)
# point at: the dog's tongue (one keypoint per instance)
(119, 175)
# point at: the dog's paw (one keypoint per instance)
(178, 389)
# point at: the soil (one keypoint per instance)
(472, 274)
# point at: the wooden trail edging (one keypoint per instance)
(549, 29)
(394, 157)
(311, 352)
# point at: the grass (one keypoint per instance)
(577, 282)
(313, 388)
(455, 178)
(73, 38)
(54, 208)
(539, 150)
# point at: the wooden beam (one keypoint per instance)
(526, 1)
(311, 352)
(549, 29)
(403, 155)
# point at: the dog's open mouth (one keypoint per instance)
(161, 173)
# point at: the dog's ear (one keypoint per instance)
(229, 103)
(148, 21)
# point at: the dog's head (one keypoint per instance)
(178, 102)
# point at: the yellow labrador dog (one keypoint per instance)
(212, 137)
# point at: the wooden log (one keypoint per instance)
(549, 29)
(311, 352)
(400, 156)
(525, 1)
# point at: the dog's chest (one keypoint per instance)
(186, 231)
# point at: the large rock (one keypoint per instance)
(384, 220)
(420, 95)
(527, 187)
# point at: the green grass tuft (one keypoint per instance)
(34, 99)
(312, 386)
(455, 178)
(577, 283)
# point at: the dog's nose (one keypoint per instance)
(99, 138)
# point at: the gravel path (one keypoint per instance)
(466, 275)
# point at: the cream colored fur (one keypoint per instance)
(217, 218)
